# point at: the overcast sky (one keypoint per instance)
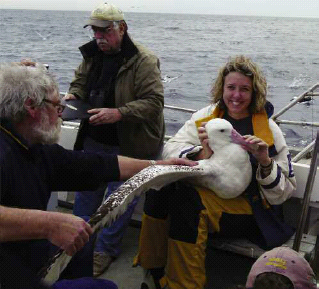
(286, 8)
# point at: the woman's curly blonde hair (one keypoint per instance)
(247, 67)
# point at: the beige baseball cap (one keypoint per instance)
(103, 14)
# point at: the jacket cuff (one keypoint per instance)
(190, 152)
(272, 179)
(123, 111)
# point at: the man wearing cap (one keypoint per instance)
(121, 80)
(281, 268)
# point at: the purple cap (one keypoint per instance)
(287, 262)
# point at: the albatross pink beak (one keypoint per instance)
(237, 138)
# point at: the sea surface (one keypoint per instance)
(191, 49)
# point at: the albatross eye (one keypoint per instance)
(222, 130)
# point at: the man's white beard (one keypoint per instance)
(45, 133)
(111, 50)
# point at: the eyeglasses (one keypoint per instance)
(104, 31)
(59, 107)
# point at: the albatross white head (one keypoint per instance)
(219, 132)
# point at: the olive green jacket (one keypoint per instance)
(139, 96)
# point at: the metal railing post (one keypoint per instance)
(292, 103)
(307, 195)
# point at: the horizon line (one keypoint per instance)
(182, 13)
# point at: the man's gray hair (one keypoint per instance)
(19, 83)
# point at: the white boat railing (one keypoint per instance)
(303, 152)
(180, 108)
(305, 96)
(308, 95)
(72, 124)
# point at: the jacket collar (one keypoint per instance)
(128, 48)
(7, 128)
(260, 124)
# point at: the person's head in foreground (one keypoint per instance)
(30, 101)
(281, 268)
(240, 87)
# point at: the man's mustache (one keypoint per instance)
(101, 41)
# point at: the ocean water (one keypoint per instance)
(191, 48)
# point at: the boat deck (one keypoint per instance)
(223, 269)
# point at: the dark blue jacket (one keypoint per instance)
(29, 174)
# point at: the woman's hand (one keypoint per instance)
(258, 148)
(206, 152)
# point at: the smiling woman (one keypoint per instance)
(239, 96)
(240, 79)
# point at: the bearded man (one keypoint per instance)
(32, 165)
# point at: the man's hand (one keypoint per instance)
(129, 166)
(67, 231)
(104, 115)
(68, 96)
